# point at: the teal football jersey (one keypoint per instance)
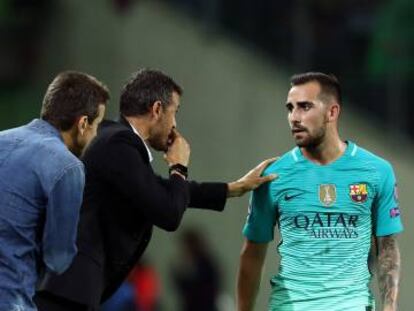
(326, 215)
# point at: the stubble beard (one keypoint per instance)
(312, 141)
(159, 142)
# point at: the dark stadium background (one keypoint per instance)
(234, 59)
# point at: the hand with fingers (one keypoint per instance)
(251, 180)
(178, 150)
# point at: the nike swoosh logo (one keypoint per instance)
(290, 197)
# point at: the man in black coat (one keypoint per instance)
(124, 199)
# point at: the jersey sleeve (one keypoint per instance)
(386, 206)
(261, 217)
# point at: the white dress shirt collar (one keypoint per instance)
(146, 146)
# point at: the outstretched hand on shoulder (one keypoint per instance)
(251, 180)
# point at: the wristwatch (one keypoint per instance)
(179, 168)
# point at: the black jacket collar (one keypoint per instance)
(125, 122)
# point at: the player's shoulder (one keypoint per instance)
(372, 159)
(50, 146)
(285, 161)
(108, 129)
(110, 132)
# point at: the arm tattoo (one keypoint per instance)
(388, 270)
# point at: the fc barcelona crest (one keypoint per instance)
(358, 193)
(327, 194)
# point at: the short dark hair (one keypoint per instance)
(329, 84)
(70, 95)
(144, 88)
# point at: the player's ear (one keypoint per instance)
(156, 110)
(334, 110)
(82, 124)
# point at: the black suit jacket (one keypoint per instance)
(123, 199)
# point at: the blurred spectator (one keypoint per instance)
(196, 275)
(140, 292)
(146, 284)
(122, 300)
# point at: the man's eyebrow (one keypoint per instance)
(299, 103)
(305, 102)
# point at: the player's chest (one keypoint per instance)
(327, 193)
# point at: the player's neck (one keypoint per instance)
(326, 152)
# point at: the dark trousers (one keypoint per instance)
(48, 302)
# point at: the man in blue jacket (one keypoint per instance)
(41, 185)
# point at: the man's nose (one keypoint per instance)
(294, 116)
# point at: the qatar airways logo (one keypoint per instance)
(328, 225)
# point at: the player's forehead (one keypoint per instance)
(307, 92)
